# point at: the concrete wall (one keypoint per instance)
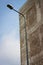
(33, 11)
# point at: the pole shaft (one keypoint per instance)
(26, 41)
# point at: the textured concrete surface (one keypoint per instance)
(33, 11)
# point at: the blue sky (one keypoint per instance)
(9, 33)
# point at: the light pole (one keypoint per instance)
(10, 7)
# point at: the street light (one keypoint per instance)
(10, 7)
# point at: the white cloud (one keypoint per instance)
(10, 47)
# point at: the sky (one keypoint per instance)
(9, 33)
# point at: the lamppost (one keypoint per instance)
(10, 7)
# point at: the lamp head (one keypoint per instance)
(9, 6)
